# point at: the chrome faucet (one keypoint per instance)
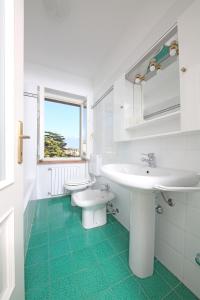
(105, 187)
(150, 159)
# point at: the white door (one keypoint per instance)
(11, 190)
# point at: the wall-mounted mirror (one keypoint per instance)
(157, 78)
(161, 94)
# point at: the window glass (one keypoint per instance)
(62, 130)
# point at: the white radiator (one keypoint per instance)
(60, 175)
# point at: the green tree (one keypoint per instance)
(55, 145)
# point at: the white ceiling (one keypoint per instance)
(77, 36)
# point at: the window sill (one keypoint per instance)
(61, 161)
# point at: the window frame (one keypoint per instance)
(46, 94)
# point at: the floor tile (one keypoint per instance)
(63, 289)
(36, 276)
(60, 267)
(94, 236)
(171, 279)
(124, 256)
(185, 293)
(111, 219)
(83, 259)
(38, 294)
(90, 282)
(66, 261)
(101, 295)
(59, 248)
(39, 227)
(119, 243)
(102, 251)
(128, 289)
(114, 270)
(37, 255)
(111, 229)
(78, 242)
(56, 222)
(172, 296)
(155, 287)
(74, 228)
(57, 234)
(38, 239)
(41, 213)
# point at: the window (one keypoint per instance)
(62, 126)
(62, 129)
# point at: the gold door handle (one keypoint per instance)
(21, 137)
(24, 137)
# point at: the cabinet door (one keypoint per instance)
(123, 101)
(189, 58)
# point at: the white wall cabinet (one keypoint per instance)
(122, 108)
(185, 120)
(189, 59)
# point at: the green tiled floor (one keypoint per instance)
(65, 261)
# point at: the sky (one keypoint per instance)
(65, 120)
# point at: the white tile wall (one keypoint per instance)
(169, 257)
(178, 228)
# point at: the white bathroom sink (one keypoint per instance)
(146, 178)
(142, 181)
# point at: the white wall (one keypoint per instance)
(177, 229)
(132, 46)
(30, 146)
(36, 75)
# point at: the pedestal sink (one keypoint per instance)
(141, 181)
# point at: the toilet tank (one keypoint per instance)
(95, 164)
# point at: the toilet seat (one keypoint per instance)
(79, 184)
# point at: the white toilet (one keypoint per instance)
(93, 202)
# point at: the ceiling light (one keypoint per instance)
(153, 66)
(173, 49)
(138, 78)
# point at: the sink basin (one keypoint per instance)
(142, 181)
(137, 176)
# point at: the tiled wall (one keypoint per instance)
(178, 237)
(178, 228)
